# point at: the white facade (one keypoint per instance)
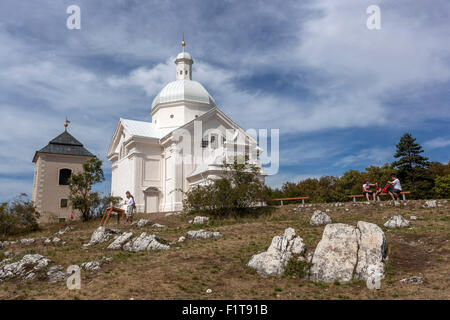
(150, 160)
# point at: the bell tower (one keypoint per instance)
(184, 64)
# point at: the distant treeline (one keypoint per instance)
(424, 179)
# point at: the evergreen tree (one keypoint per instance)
(412, 166)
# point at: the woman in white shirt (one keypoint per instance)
(130, 206)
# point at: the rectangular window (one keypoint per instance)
(64, 203)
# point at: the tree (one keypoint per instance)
(239, 190)
(412, 166)
(80, 185)
(442, 187)
(18, 216)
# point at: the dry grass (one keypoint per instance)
(188, 269)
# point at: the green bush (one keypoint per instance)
(442, 187)
(18, 216)
(296, 267)
(238, 191)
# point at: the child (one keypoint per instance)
(386, 189)
(131, 205)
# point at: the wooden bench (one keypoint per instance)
(295, 198)
(403, 193)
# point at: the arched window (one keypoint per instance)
(64, 175)
(186, 72)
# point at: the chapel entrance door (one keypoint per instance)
(151, 201)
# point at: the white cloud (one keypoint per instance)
(438, 142)
(367, 157)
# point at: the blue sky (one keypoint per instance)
(341, 95)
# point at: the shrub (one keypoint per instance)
(18, 216)
(296, 267)
(442, 187)
(239, 190)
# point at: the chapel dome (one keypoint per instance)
(183, 90)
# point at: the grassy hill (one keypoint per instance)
(188, 269)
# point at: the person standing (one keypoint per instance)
(131, 205)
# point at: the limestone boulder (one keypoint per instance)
(273, 261)
(202, 234)
(319, 218)
(336, 255)
(145, 242)
(120, 241)
(25, 268)
(101, 235)
(372, 252)
(396, 222)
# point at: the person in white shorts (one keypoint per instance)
(396, 187)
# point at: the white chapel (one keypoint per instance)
(185, 144)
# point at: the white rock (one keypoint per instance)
(336, 254)
(107, 259)
(415, 280)
(157, 225)
(208, 291)
(56, 274)
(145, 242)
(67, 229)
(47, 241)
(199, 220)
(27, 241)
(141, 223)
(22, 268)
(202, 234)
(181, 239)
(273, 261)
(56, 240)
(396, 222)
(101, 235)
(372, 251)
(120, 241)
(319, 218)
(92, 266)
(430, 204)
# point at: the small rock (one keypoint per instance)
(27, 241)
(141, 223)
(199, 220)
(319, 218)
(396, 222)
(107, 259)
(430, 204)
(202, 234)
(92, 266)
(56, 240)
(157, 225)
(181, 239)
(415, 280)
(208, 291)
